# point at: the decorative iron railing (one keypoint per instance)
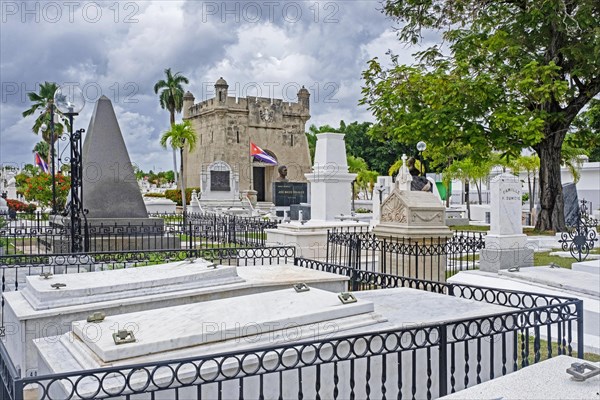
(423, 361)
(434, 258)
(42, 234)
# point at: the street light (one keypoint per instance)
(421, 146)
(70, 101)
(52, 170)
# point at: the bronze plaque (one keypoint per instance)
(219, 181)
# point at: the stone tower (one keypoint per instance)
(227, 125)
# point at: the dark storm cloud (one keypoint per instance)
(121, 49)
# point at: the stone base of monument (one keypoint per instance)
(114, 234)
(309, 238)
(194, 330)
(505, 251)
(39, 310)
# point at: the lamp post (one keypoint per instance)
(421, 146)
(69, 101)
(52, 168)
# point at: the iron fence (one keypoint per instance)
(425, 361)
(433, 258)
(34, 234)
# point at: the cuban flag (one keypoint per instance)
(261, 155)
(39, 161)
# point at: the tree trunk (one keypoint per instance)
(172, 120)
(478, 186)
(467, 199)
(182, 180)
(552, 215)
(531, 200)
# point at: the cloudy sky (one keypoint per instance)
(120, 49)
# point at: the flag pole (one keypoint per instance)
(251, 170)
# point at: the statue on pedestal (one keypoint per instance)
(283, 171)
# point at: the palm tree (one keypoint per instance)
(43, 149)
(43, 101)
(180, 136)
(171, 98)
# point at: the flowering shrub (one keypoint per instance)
(39, 188)
(17, 205)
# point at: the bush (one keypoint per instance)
(362, 211)
(161, 195)
(17, 205)
(175, 195)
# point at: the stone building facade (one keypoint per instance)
(226, 125)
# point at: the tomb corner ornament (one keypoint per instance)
(393, 209)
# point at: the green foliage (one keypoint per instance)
(510, 75)
(365, 179)
(181, 136)
(43, 149)
(161, 178)
(171, 92)
(42, 102)
(175, 195)
(378, 153)
(158, 195)
(586, 131)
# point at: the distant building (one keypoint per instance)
(226, 126)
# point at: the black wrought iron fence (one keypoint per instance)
(433, 258)
(43, 234)
(425, 361)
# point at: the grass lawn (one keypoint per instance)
(544, 351)
(485, 228)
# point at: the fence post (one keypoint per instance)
(416, 261)
(18, 389)
(443, 361)
(579, 309)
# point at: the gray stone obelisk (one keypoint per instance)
(110, 189)
(116, 214)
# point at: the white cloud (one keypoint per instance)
(325, 50)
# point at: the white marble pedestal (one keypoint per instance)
(505, 251)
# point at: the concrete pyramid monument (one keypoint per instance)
(110, 189)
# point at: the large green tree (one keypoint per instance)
(180, 137)
(505, 75)
(171, 99)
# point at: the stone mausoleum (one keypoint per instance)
(226, 126)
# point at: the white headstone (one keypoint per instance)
(506, 205)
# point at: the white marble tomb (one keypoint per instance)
(40, 310)
(256, 321)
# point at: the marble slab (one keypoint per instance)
(546, 380)
(213, 321)
(562, 278)
(393, 308)
(107, 285)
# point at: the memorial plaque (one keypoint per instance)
(219, 181)
(287, 193)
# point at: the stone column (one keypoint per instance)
(505, 244)
(330, 193)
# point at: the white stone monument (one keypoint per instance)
(41, 309)
(219, 186)
(264, 320)
(330, 181)
(330, 197)
(505, 244)
(382, 190)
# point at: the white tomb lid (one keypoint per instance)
(168, 329)
(93, 287)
